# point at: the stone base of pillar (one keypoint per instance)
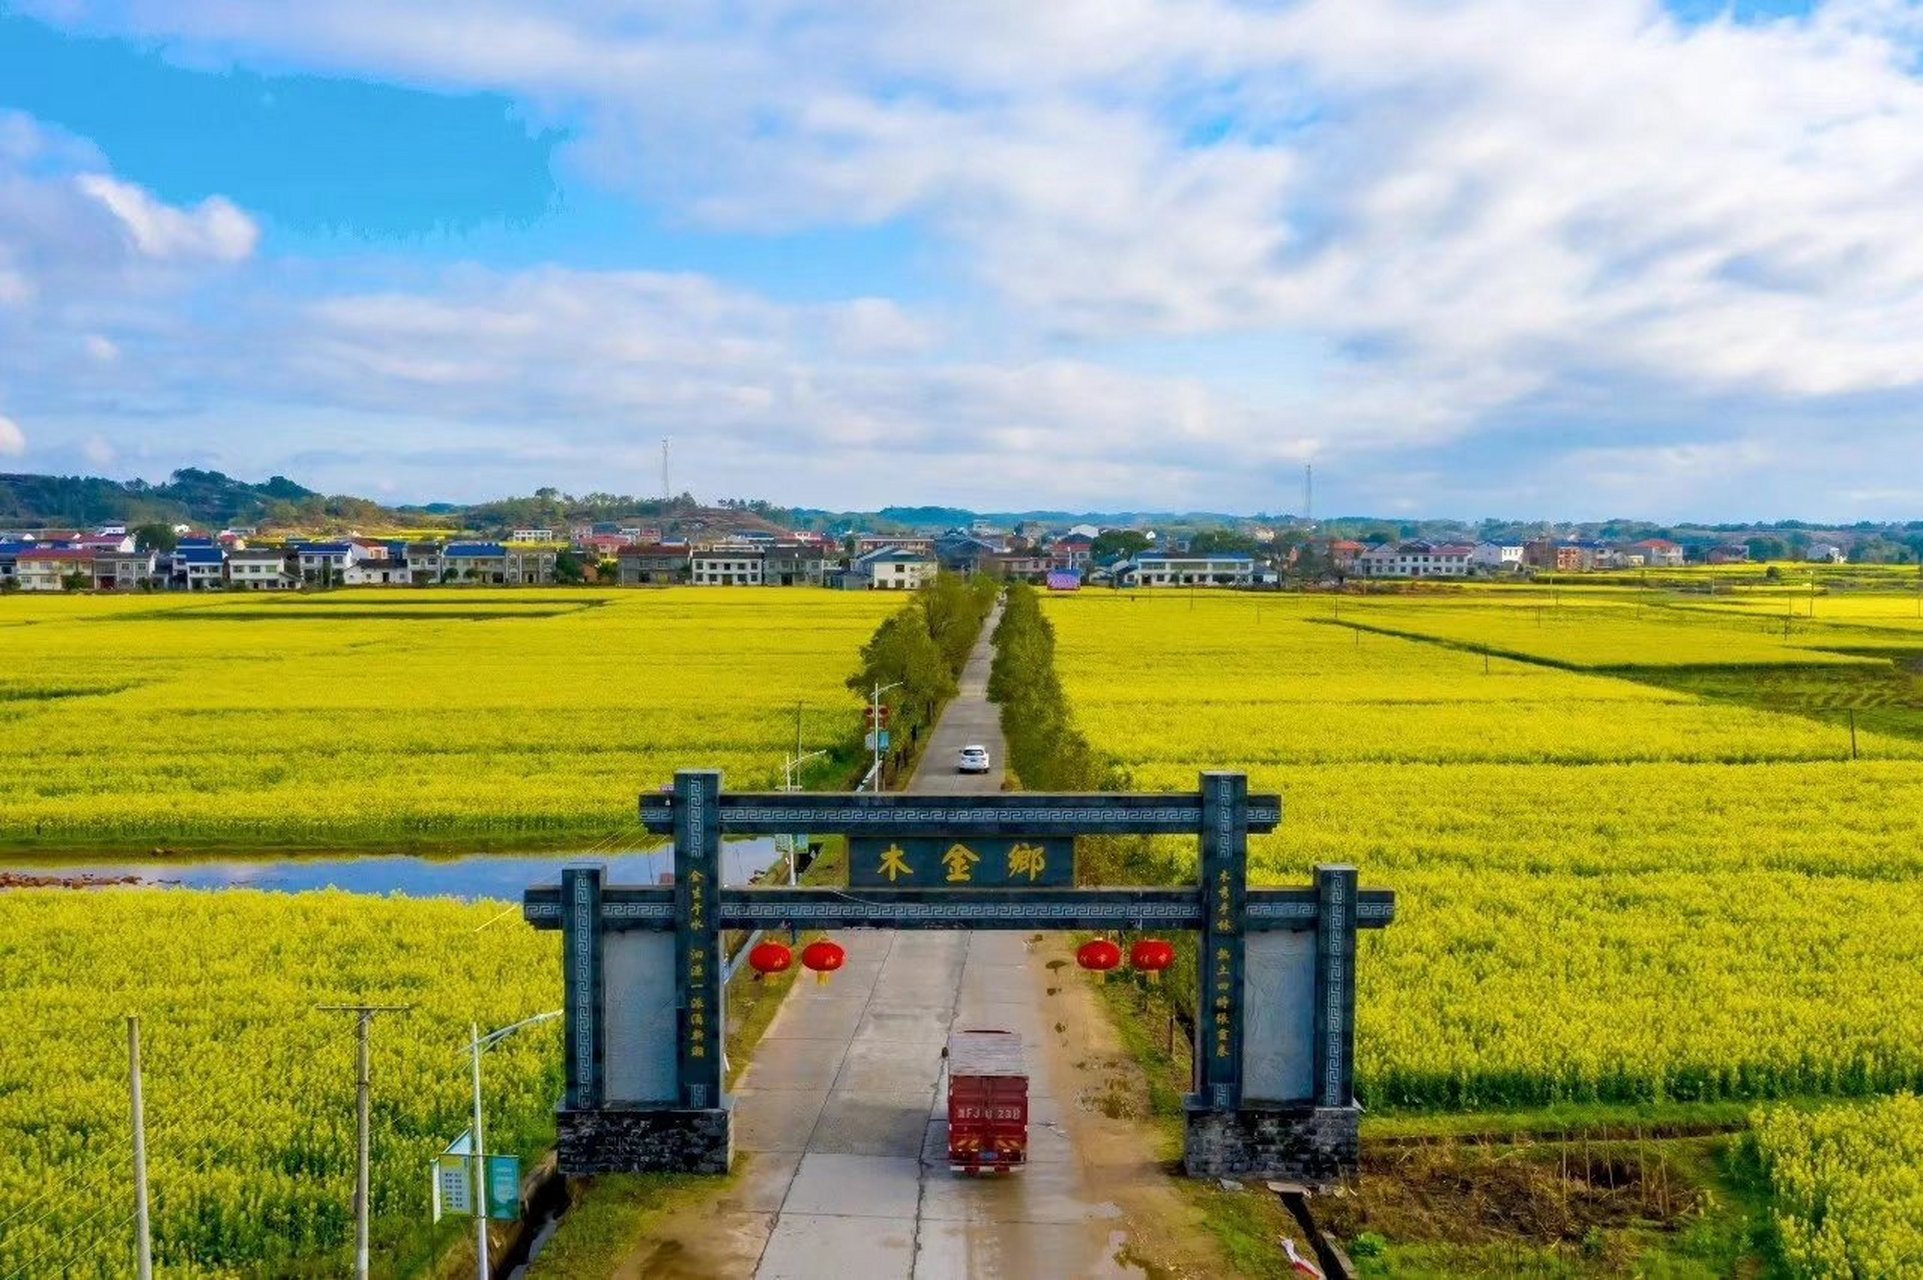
(644, 1140)
(1313, 1145)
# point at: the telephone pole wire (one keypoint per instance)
(143, 1235)
(365, 1015)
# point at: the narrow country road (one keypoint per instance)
(843, 1110)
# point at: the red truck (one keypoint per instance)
(987, 1102)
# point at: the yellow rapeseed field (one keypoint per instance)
(381, 717)
(250, 1089)
(1610, 890)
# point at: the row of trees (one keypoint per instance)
(921, 650)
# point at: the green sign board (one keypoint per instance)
(937, 862)
(504, 1188)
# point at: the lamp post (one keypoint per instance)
(791, 781)
(480, 1044)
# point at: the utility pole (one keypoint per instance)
(1308, 494)
(480, 1165)
(874, 727)
(665, 491)
(364, 1015)
(143, 1236)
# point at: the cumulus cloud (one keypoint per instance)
(13, 441)
(1462, 206)
(213, 229)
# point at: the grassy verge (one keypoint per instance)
(604, 1226)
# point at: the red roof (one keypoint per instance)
(62, 555)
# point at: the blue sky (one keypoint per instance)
(1470, 257)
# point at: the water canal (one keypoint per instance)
(499, 876)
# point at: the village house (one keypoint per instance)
(111, 543)
(424, 564)
(1497, 557)
(1014, 566)
(1417, 559)
(1343, 553)
(123, 570)
(652, 565)
(48, 568)
(900, 541)
(888, 569)
(1561, 557)
(722, 566)
(1659, 553)
(1169, 569)
(325, 562)
(534, 533)
(794, 564)
(199, 568)
(381, 571)
(476, 562)
(1071, 551)
(1825, 553)
(260, 569)
(530, 566)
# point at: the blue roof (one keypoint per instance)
(474, 550)
(195, 542)
(325, 548)
(200, 555)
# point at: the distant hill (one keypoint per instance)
(189, 496)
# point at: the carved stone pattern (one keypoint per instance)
(1337, 994)
(637, 910)
(582, 987)
(1181, 816)
(540, 911)
(1281, 910)
(776, 913)
(1375, 910)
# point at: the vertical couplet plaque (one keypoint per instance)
(1225, 848)
(697, 944)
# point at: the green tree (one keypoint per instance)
(1114, 544)
(155, 537)
(1223, 541)
(569, 568)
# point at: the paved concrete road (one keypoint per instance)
(844, 1105)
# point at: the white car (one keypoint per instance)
(972, 760)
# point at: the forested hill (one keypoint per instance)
(189, 496)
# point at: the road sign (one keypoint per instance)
(877, 740)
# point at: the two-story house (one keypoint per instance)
(261, 569)
(530, 566)
(652, 565)
(889, 569)
(477, 562)
(123, 570)
(794, 564)
(49, 568)
(722, 567)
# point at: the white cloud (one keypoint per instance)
(13, 441)
(97, 451)
(214, 229)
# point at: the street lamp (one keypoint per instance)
(480, 1044)
(874, 726)
(791, 781)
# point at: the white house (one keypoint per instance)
(328, 560)
(530, 535)
(724, 567)
(1167, 569)
(889, 569)
(1825, 553)
(259, 569)
(1415, 560)
(382, 572)
(1497, 557)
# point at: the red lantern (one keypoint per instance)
(770, 957)
(1101, 955)
(1151, 956)
(824, 957)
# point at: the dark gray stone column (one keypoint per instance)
(1335, 890)
(582, 978)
